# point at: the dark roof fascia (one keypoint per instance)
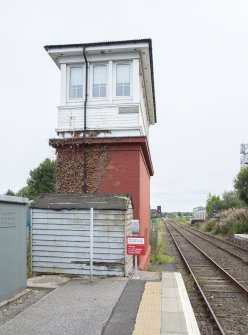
(55, 201)
(95, 44)
(92, 44)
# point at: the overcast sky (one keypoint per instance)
(200, 51)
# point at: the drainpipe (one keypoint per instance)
(85, 119)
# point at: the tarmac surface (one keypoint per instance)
(154, 304)
(76, 308)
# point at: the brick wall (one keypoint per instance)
(113, 166)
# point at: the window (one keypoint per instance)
(123, 80)
(99, 81)
(76, 82)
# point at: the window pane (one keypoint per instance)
(99, 81)
(123, 80)
(76, 82)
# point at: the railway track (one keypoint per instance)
(225, 294)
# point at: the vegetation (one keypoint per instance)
(10, 192)
(159, 255)
(41, 180)
(231, 207)
(230, 221)
(241, 184)
(215, 203)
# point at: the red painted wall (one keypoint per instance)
(145, 209)
(122, 166)
(127, 172)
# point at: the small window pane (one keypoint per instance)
(99, 81)
(123, 80)
(76, 82)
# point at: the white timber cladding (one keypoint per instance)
(143, 111)
(99, 117)
(103, 112)
(60, 242)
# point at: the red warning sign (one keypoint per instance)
(136, 245)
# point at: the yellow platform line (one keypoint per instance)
(148, 320)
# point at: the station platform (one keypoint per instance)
(165, 308)
(155, 304)
(243, 237)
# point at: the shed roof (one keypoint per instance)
(14, 199)
(57, 201)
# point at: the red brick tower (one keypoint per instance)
(107, 105)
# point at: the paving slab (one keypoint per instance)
(47, 281)
(177, 313)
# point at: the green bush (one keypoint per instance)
(210, 225)
(230, 222)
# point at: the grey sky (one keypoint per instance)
(200, 51)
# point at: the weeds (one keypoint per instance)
(159, 255)
(230, 222)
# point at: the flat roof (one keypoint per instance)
(60, 201)
(14, 199)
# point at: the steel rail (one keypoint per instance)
(240, 286)
(194, 232)
(198, 286)
(220, 240)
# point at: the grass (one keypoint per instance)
(159, 255)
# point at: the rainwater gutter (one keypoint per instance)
(85, 120)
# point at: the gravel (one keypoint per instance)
(15, 307)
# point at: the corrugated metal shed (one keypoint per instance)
(61, 234)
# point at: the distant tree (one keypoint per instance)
(24, 192)
(42, 180)
(10, 192)
(231, 200)
(213, 205)
(179, 214)
(187, 216)
(241, 184)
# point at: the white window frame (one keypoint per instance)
(91, 81)
(68, 73)
(123, 97)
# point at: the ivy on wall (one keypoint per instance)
(70, 164)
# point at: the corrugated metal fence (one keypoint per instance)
(61, 241)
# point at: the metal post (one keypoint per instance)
(91, 243)
(136, 273)
(31, 241)
(156, 236)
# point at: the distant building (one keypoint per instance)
(106, 107)
(199, 214)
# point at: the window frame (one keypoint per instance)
(91, 81)
(68, 76)
(123, 97)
